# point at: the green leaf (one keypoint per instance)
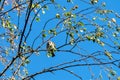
(43, 11)
(69, 0)
(99, 34)
(50, 31)
(94, 18)
(64, 8)
(71, 34)
(88, 38)
(118, 78)
(75, 7)
(76, 31)
(69, 23)
(104, 19)
(102, 43)
(103, 4)
(44, 35)
(115, 34)
(73, 16)
(37, 19)
(37, 5)
(116, 43)
(8, 24)
(54, 33)
(27, 61)
(67, 14)
(100, 77)
(72, 41)
(112, 72)
(94, 1)
(108, 54)
(33, 5)
(25, 71)
(113, 20)
(46, 7)
(104, 11)
(118, 29)
(58, 16)
(6, 52)
(80, 24)
(52, 1)
(109, 25)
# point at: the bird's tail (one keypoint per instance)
(53, 54)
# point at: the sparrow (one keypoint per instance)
(51, 48)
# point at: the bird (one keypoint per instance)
(51, 48)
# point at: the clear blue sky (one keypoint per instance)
(41, 62)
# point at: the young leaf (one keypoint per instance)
(113, 20)
(75, 7)
(118, 29)
(58, 16)
(27, 61)
(118, 78)
(80, 24)
(71, 34)
(108, 54)
(72, 41)
(52, 1)
(68, 0)
(94, 1)
(67, 14)
(103, 4)
(112, 72)
(44, 35)
(102, 43)
(37, 19)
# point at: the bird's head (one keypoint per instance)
(49, 42)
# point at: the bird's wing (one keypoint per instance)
(53, 44)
